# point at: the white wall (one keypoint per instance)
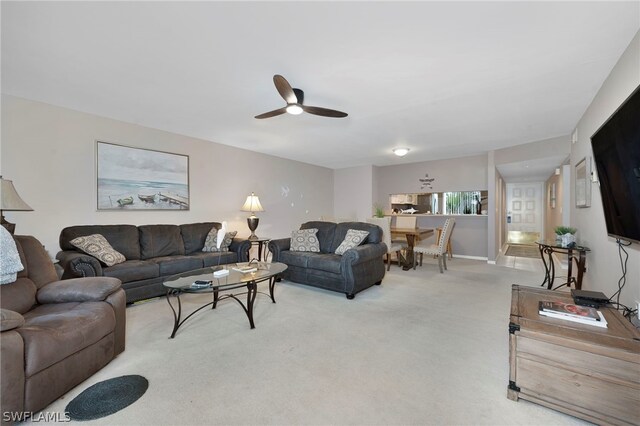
(545, 148)
(566, 195)
(493, 207)
(603, 265)
(457, 174)
(49, 153)
(353, 192)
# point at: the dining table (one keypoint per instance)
(413, 235)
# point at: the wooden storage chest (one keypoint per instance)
(589, 372)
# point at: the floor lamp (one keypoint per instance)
(252, 205)
(10, 201)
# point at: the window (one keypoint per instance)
(462, 202)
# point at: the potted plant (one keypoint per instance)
(379, 211)
(565, 235)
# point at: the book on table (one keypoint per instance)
(571, 312)
(201, 284)
(245, 269)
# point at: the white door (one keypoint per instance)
(524, 212)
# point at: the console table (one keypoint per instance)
(574, 253)
(586, 371)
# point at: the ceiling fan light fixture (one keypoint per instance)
(400, 152)
(294, 109)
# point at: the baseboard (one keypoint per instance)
(461, 256)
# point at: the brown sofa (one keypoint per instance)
(55, 334)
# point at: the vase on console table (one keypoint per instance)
(567, 239)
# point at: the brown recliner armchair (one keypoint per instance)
(55, 334)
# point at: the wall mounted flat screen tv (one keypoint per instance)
(616, 152)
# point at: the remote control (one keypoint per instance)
(202, 282)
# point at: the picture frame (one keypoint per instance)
(583, 183)
(552, 195)
(130, 178)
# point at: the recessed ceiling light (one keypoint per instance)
(400, 152)
(294, 109)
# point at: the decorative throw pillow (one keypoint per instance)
(211, 243)
(97, 246)
(353, 239)
(305, 240)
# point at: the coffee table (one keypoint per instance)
(184, 282)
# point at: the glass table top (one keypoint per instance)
(559, 245)
(187, 280)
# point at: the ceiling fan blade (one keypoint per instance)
(272, 113)
(324, 112)
(284, 88)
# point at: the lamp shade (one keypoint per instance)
(252, 204)
(9, 198)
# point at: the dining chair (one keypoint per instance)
(448, 250)
(404, 222)
(392, 247)
(438, 250)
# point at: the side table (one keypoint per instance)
(261, 243)
(574, 253)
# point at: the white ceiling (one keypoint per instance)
(444, 79)
(538, 170)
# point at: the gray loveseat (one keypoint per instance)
(153, 252)
(357, 269)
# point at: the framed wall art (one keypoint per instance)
(583, 183)
(129, 178)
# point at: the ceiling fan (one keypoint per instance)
(294, 99)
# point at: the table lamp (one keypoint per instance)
(252, 205)
(10, 201)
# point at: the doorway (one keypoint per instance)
(524, 212)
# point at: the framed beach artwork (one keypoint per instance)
(131, 178)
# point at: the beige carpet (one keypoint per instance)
(523, 250)
(423, 348)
